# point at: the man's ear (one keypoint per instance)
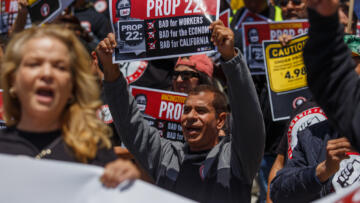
(221, 119)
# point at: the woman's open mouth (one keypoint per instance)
(45, 95)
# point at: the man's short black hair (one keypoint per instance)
(220, 101)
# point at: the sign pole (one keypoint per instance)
(350, 15)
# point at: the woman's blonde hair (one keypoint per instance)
(81, 129)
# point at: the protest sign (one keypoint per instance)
(154, 29)
(10, 6)
(300, 122)
(42, 11)
(8, 14)
(286, 76)
(46, 181)
(348, 195)
(132, 71)
(248, 16)
(348, 173)
(225, 17)
(254, 33)
(162, 109)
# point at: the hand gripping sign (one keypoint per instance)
(153, 29)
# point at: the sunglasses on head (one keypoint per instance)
(285, 2)
(185, 75)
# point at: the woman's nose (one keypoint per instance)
(46, 72)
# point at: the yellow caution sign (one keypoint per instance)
(237, 4)
(285, 65)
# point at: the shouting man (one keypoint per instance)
(207, 167)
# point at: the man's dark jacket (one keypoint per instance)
(331, 76)
(229, 167)
(297, 181)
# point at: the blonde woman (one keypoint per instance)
(50, 99)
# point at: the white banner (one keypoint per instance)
(347, 195)
(24, 179)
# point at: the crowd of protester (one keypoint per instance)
(57, 76)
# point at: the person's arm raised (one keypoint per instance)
(142, 140)
(248, 132)
(223, 38)
(105, 49)
(330, 70)
(21, 17)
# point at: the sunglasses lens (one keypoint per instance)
(185, 75)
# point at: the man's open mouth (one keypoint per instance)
(192, 131)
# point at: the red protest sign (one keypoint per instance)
(11, 6)
(249, 16)
(155, 29)
(225, 17)
(162, 109)
(256, 32)
(153, 9)
(272, 31)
